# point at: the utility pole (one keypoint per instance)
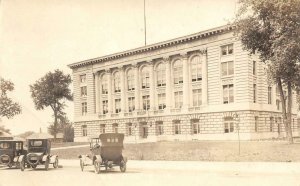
(145, 25)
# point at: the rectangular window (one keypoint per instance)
(178, 99)
(104, 87)
(129, 129)
(254, 67)
(195, 126)
(83, 91)
(228, 96)
(117, 105)
(161, 101)
(177, 127)
(146, 102)
(256, 123)
(254, 93)
(278, 103)
(227, 68)
(227, 49)
(84, 130)
(115, 128)
(131, 104)
(228, 125)
(271, 124)
(84, 108)
(82, 78)
(159, 127)
(105, 106)
(197, 97)
(145, 80)
(269, 95)
(102, 128)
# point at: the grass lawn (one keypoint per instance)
(67, 144)
(278, 151)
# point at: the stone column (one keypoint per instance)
(204, 79)
(110, 91)
(123, 89)
(97, 93)
(169, 92)
(152, 86)
(186, 80)
(136, 87)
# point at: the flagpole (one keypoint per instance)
(145, 29)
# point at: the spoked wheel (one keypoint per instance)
(33, 166)
(123, 166)
(55, 164)
(81, 164)
(97, 167)
(9, 165)
(47, 164)
(22, 165)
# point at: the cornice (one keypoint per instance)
(156, 46)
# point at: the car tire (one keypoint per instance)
(97, 167)
(81, 164)
(47, 164)
(55, 164)
(22, 165)
(123, 166)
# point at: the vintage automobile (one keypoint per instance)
(10, 152)
(38, 153)
(106, 151)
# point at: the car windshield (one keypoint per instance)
(4, 145)
(36, 143)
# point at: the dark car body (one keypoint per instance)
(10, 152)
(106, 151)
(39, 154)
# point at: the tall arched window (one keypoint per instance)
(177, 72)
(145, 78)
(117, 82)
(104, 84)
(196, 68)
(130, 79)
(161, 75)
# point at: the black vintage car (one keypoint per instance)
(39, 153)
(10, 152)
(106, 151)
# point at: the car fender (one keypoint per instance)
(21, 158)
(97, 158)
(52, 158)
(45, 157)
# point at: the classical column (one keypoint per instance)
(110, 91)
(136, 87)
(97, 93)
(186, 80)
(152, 86)
(204, 79)
(123, 90)
(168, 84)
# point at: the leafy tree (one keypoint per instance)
(26, 134)
(8, 108)
(272, 29)
(52, 90)
(64, 126)
(2, 128)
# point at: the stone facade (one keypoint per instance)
(198, 87)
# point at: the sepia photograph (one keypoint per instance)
(149, 92)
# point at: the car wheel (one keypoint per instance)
(22, 165)
(47, 164)
(97, 167)
(123, 166)
(9, 165)
(33, 166)
(55, 164)
(81, 164)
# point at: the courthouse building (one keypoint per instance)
(202, 86)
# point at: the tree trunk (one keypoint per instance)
(286, 112)
(55, 124)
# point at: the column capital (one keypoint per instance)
(166, 59)
(121, 68)
(108, 70)
(150, 63)
(184, 55)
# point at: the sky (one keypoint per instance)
(38, 36)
